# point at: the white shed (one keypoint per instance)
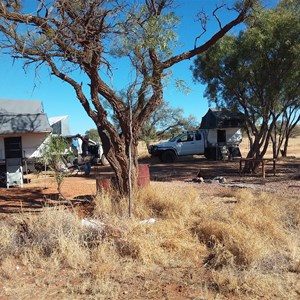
(60, 125)
(23, 128)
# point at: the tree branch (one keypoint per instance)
(191, 53)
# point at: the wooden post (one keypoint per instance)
(240, 166)
(263, 164)
(274, 167)
(130, 159)
(263, 168)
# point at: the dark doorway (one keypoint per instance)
(13, 159)
(13, 147)
(221, 136)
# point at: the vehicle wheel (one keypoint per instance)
(168, 156)
(104, 161)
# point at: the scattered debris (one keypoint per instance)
(217, 179)
(98, 230)
(220, 179)
(199, 173)
(198, 179)
(92, 224)
(148, 221)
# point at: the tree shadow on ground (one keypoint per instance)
(18, 199)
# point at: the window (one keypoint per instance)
(190, 137)
(187, 137)
(198, 136)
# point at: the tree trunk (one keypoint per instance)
(251, 167)
(116, 150)
(254, 152)
(285, 147)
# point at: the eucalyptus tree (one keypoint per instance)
(285, 129)
(94, 38)
(93, 134)
(258, 73)
(165, 122)
(291, 117)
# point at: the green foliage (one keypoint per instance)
(146, 32)
(165, 123)
(261, 62)
(55, 154)
(182, 86)
(93, 134)
(291, 5)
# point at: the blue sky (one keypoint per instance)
(59, 99)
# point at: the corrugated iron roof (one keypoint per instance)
(16, 107)
(227, 114)
(22, 116)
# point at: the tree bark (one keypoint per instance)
(117, 153)
(285, 148)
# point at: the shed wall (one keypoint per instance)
(233, 135)
(30, 144)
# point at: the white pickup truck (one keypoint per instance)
(213, 144)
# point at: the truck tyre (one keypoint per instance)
(168, 156)
(104, 161)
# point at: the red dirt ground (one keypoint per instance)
(41, 189)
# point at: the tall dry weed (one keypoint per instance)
(55, 233)
(248, 233)
(9, 239)
(154, 243)
(251, 244)
(250, 284)
(176, 202)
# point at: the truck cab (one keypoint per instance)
(186, 143)
(214, 144)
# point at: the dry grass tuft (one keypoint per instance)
(9, 240)
(247, 248)
(251, 233)
(163, 203)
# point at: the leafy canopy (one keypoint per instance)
(257, 72)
